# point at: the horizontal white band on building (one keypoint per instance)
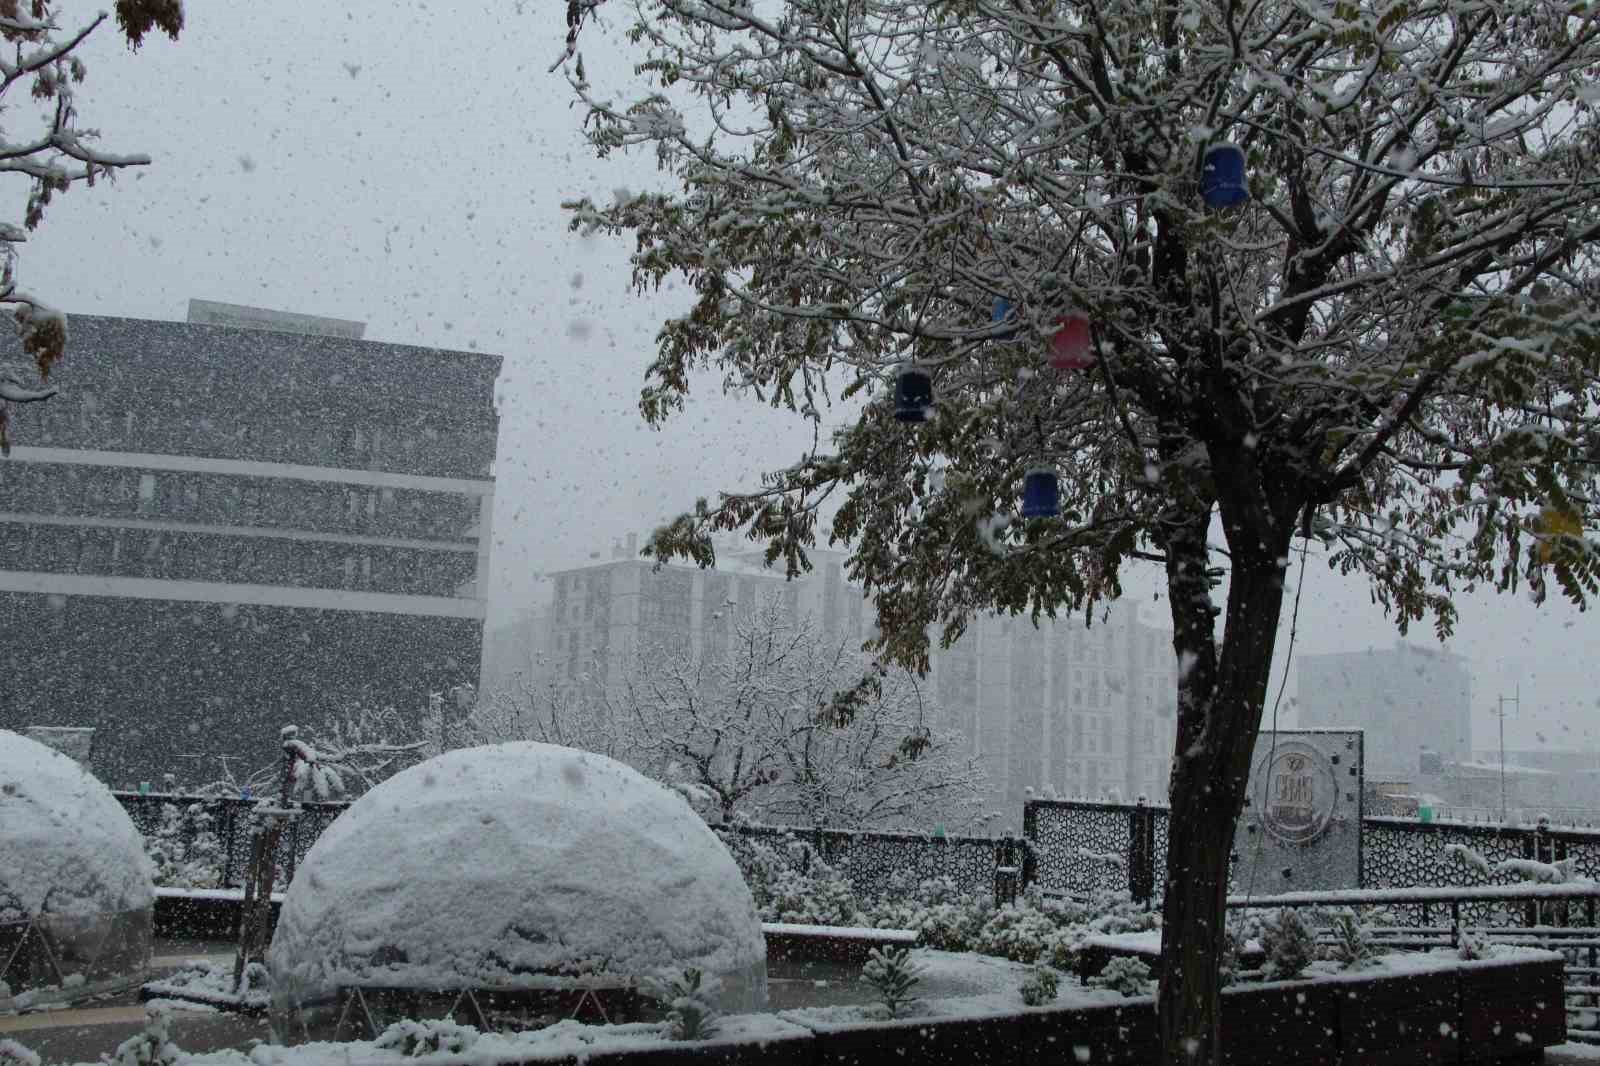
(467, 546)
(147, 588)
(205, 464)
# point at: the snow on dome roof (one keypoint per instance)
(486, 867)
(66, 845)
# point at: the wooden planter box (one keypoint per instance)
(793, 1047)
(1117, 1034)
(1290, 1023)
(800, 944)
(989, 1041)
(1511, 1008)
(1399, 1020)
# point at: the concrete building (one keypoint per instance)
(1064, 708)
(1059, 709)
(214, 531)
(1407, 699)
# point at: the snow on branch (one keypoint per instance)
(53, 155)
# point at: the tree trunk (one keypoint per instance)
(1221, 697)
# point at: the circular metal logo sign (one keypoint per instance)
(1302, 792)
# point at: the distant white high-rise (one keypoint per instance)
(1061, 708)
(1405, 698)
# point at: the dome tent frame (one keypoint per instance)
(76, 897)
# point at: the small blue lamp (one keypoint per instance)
(1041, 493)
(1222, 180)
(1003, 310)
(913, 394)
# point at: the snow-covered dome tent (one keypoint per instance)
(498, 867)
(75, 892)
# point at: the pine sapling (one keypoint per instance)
(1289, 945)
(1352, 944)
(153, 1045)
(893, 974)
(1040, 986)
(691, 1014)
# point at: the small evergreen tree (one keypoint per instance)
(894, 975)
(1352, 942)
(1040, 987)
(1288, 943)
(691, 1015)
(1124, 974)
(151, 1046)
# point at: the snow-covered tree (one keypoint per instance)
(787, 724)
(366, 744)
(551, 711)
(43, 143)
(1386, 346)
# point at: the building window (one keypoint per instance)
(147, 488)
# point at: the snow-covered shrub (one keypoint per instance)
(691, 1014)
(14, 1054)
(1352, 943)
(1040, 986)
(411, 1037)
(791, 883)
(947, 918)
(1289, 945)
(1473, 946)
(151, 1046)
(1018, 931)
(1063, 948)
(184, 848)
(1468, 858)
(1540, 873)
(1124, 974)
(892, 973)
(1232, 948)
(818, 897)
(1116, 912)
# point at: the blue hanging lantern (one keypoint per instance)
(1222, 180)
(913, 394)
(1041, 493)
(1004, 309)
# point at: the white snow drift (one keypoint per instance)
(75, 890)
(498, 867)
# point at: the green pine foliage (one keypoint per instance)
(1289, 945)
(686, 995)
(893, 974)
(1125, 974)
(1040, 987)
(1352, 940)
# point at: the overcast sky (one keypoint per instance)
(404, 166)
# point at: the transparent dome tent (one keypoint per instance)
(75, 893)
(513, 868)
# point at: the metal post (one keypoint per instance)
(1500, 713)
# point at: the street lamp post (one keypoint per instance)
(1500, 712)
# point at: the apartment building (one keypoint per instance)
(218, 530)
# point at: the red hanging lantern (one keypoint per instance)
(1071, 347)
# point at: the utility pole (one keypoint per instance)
(1500, 712)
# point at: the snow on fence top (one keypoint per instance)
(66, 845)
(496, 867)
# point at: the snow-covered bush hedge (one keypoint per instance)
(184, 847)
(947, 918)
